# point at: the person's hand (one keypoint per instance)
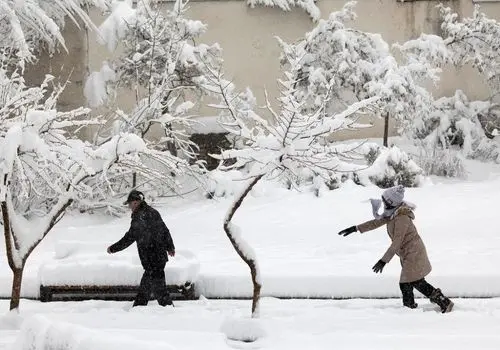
(378, 267)
(171, 253)
(348, 231)
(109, 250)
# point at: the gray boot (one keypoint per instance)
(444, 303)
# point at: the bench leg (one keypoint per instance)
(188, 292)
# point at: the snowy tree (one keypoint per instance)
(455, 121)
(165, 67)
(358, 64)
(44, 167)
(291, 140)
(29, 24)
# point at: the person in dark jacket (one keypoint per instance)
(154, 245)
(398, 216)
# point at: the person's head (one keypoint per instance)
(134, 199)
(393, 197)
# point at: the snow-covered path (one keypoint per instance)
(289, 324)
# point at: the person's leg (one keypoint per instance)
(434, 294)
(423, 287)
(408, 297)
(142, 297)
(160, 290)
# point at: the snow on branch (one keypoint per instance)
(292, 139)
(467, 127)
(472, 40)
(25, 24)
(286, 5)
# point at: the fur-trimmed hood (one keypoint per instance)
(405, 209)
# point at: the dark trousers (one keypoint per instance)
(407, 290)
(153, 281)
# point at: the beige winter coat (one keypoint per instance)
(406, 243)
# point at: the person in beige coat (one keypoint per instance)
(406, 243)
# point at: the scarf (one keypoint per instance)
(387, 213)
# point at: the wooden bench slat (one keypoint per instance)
(123, 292)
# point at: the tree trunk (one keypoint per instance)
(15, 296)
(386, 130)
(134, 180)
(11, 249)
(252, 264)
(17, 278)
(172, 149)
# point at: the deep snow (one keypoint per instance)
(288, 324)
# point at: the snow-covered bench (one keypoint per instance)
(83, 270)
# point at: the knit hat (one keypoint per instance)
(394, 196)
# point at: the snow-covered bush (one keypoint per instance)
(442, 162)
(455, 122)
(391, 167)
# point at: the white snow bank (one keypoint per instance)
(38, 333)
(323, 286)
(87, 263)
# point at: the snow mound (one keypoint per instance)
(38, 333)
(11, 320)
(87, 263)
(243, 329)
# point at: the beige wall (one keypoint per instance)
(250, 49)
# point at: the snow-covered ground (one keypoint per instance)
(288, 324)
(295, 238)
(301, 255)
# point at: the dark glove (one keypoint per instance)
(348, 231)
(378, 267)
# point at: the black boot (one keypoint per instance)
(408, 297)
(444, 303)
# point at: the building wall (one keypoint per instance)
(250, 49)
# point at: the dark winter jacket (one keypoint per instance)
(152, 236)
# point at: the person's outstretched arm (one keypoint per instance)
(364, 227)
(123, 243)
